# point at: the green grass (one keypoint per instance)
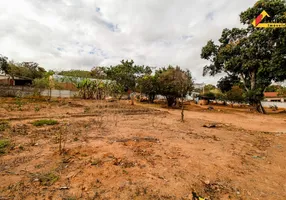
(96, 162)
(43, 122)
(48, 179)
(3, 146)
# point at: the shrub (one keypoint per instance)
(45, 122)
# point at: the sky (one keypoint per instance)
(81, 34)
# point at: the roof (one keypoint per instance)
(3, 76)
(271, 94)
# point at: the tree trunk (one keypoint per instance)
(132, 98)
(258, 107)
(171, 100)
(253, 80)
(182, 112)
(151, 98)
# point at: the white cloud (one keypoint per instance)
(80, 34)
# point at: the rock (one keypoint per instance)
(64, 188)
(209, 125)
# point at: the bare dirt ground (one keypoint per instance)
(112, 150)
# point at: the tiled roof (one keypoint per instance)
(270, 94)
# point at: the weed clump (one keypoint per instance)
(43, 122)
(47, 179)
(4, 125)
(3, 146)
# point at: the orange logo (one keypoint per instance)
(259, 18)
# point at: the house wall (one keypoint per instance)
(275, 99)
(6, 82)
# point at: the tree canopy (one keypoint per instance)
(4, 64)
(126, 73)
(76, 73)
(174, 83)
(256, 55)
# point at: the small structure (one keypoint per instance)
(274, 97)
(204, 99)
(17, 81)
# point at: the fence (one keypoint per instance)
(22, 91)
(59, 93)
(278, 104)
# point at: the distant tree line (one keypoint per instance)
(171, 82)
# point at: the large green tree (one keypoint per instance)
(226, 83)
(126, 73)
(256, 55)
(98, 72)
(149, 85)
(4, 67)
(208, 88)
(174, 83)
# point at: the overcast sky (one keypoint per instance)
(80, 34)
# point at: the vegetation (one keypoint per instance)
(235, 95)
(4, 125)
(226, 83)
(43, 122)
(149, 85)
(47, 179)
(76, 73)
(4, 67)
(174, 83)
(126, 74)
(3, 145)
(256, 56)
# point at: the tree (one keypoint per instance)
(273, 88)
(29, 70)
(235, 95)
(46, 82)
(149, 85)
(98, 72)
(174, 83)
(282, 91)
(256, 55)
(76, 73)
(4, 67)
(208, 88)
(225, 83)
(126, 75)
(34, 70)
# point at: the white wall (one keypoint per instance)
(278, 104)
(59, 93)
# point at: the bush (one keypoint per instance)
(45, 122)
